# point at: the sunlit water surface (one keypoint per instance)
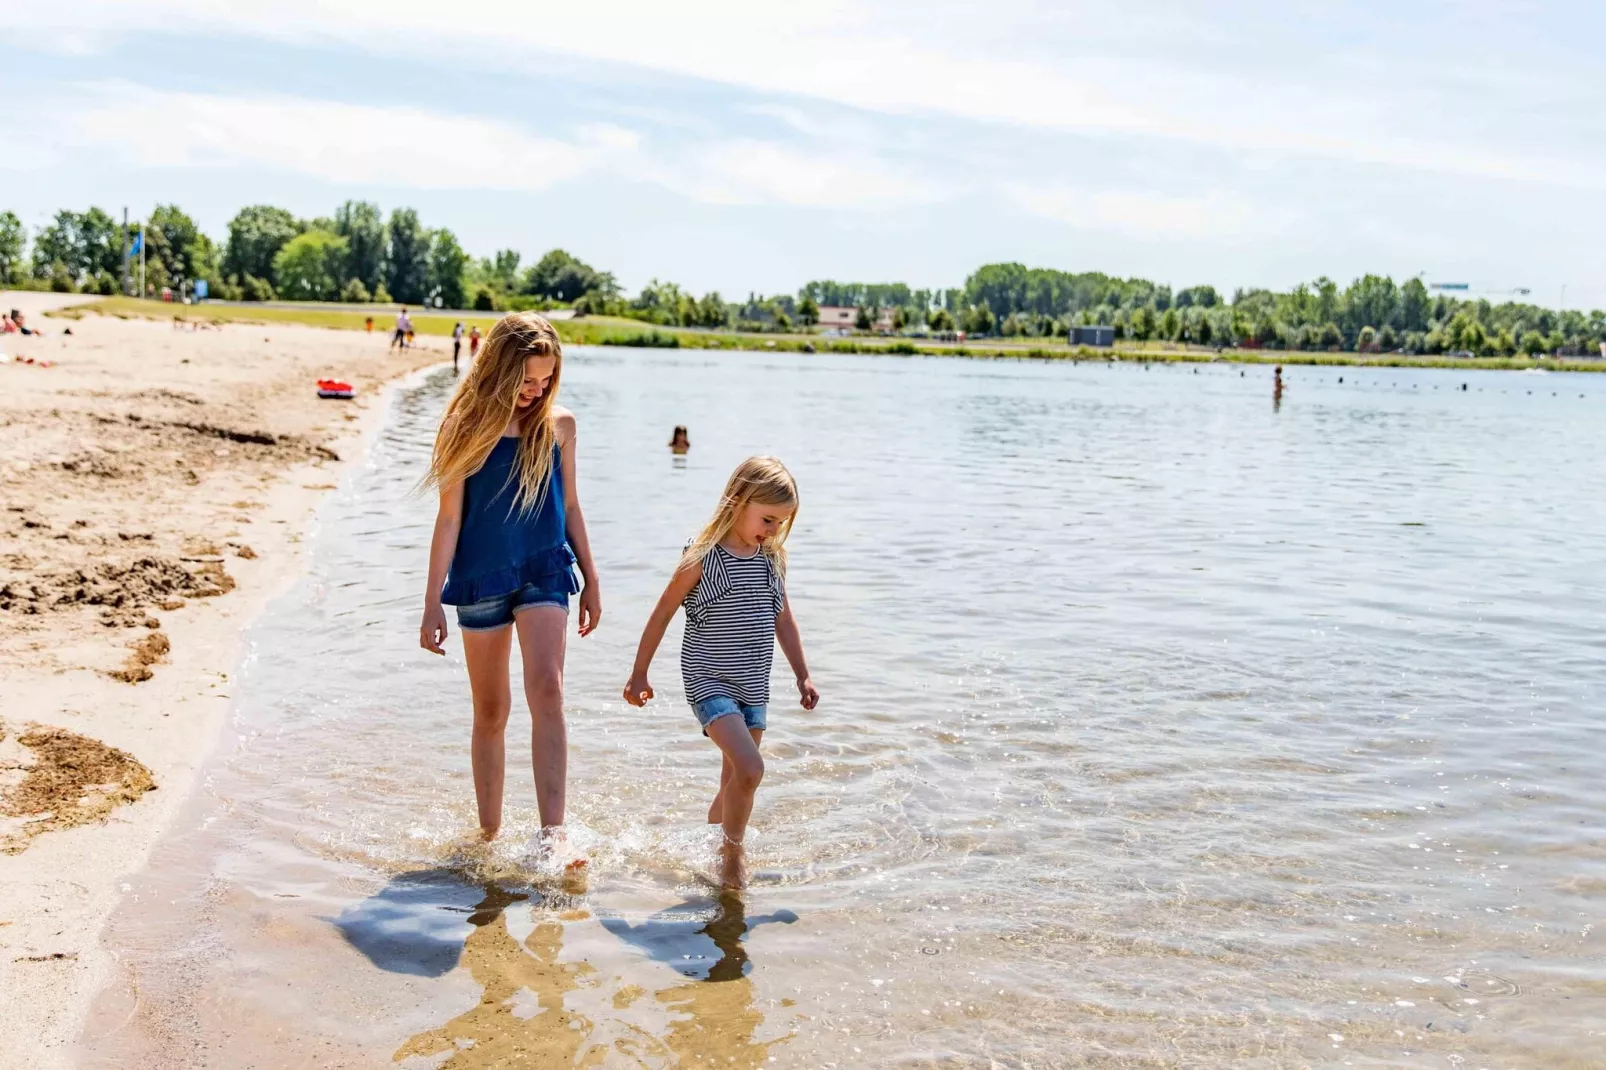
(1160, 728)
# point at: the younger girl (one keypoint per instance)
(732, 582)
(507, 537)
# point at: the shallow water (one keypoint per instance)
(1160, 728)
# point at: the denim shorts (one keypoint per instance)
(712, 709)
(489, 614)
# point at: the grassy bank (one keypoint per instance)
(612, 331)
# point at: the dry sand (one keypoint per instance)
(154, 487)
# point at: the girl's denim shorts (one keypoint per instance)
(489, 614)
(712, 709)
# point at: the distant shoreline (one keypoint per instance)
(610, 330)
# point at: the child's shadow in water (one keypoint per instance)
(417, 924)
(700, 946)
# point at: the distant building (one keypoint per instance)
(846, 318)
(838, 317)
(1091, 336)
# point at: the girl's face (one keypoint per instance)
(538, 372)
(758, 523)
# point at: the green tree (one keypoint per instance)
(407, 258)
(308, 267)
(1388, 339)
(78, 245)
(1414, 306)
(256, 234)
(1170, 325)
(448, 264)
(1325, 309)
(808, 311)
(864, 321)
(13, 247)
(355, 293)
(1330, 337)
(978, 320)
(361, 224)
(1366, 340)
(1143, 324)
(940, 319)
(561, 277)
(178, 244)
(1201, 331)
(1533, 342)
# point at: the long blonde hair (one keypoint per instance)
(485, 403)
(763, 480)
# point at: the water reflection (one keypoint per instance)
(536, 1009)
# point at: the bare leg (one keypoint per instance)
(732, 737)
(716, 809)
(542, 632)
(487, 654)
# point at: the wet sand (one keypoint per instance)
(155, 486)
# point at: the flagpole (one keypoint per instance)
(142, 258)
(125, 251)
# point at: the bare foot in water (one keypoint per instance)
(732, 866)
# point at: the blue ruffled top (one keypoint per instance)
(501, 549)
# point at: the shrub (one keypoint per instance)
(645, 339)
(354, 292)
(106, 284)
(256, 289)
(483, 301)
(382, 295)
(901, 347)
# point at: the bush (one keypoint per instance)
(106, 284)
(61, 282)
(644, 339)
(901, 347)
(483, 301)
(354, 292)
(382, 295)
(256, 289)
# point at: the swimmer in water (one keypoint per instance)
(679, 443)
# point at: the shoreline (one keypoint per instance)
(614, 331)
(141, 446)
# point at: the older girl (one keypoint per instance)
(507, 537)
(732, 582)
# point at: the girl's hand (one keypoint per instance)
(638, 690)
(590, 609)
(810, 695)
(432, 632)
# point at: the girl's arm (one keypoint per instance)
(792, 646)
(442, 545)
(638, 690)
(575, 524)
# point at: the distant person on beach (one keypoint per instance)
(678, 442)
(368, 325)
(508, 536)
(457, 345)
(474, 342)
(732, 583)
(404, 330)
(17, 324)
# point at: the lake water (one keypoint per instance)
(1160, 728)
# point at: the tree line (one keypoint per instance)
(359, 255)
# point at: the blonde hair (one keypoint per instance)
(761, 480)
(486, 401)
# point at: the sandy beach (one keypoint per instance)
(155, 485)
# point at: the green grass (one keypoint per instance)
(616, 331)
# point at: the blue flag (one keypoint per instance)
(134, 246)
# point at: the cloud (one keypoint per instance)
(760, 172)
(1179, 79)
(340, 142)
(1147, 215)
(358, 144)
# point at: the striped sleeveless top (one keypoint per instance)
(729, 643)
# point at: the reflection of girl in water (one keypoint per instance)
(679, 442)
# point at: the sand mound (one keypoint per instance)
(123, 589)
(72, 780)
(142, 655)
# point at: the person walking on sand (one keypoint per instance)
(457, 345)
(508, 535)
(732, 583)
(404, 327)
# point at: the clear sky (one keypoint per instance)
(746, 145)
